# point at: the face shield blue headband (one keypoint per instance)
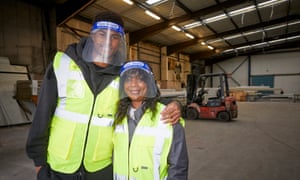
(106, 44)
(141, 71)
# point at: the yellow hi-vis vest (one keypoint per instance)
(146, 158)
(81, 128)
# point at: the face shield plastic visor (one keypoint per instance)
(105, 44)
(136, 79)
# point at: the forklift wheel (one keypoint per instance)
(191, 113)
(224, 116)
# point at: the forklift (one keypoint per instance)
(214, 102)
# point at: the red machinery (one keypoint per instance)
(212, 102)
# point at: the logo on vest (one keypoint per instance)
(135, 169)
(75, 89)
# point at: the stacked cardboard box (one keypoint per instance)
(27, 90)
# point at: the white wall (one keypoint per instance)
(237, 67)
(276, 64)
(284, 66)
(289, 84)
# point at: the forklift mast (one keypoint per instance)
(199, 81)
(191, 88)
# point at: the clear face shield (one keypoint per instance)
(137, 81)
(106, 44)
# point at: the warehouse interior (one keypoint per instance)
(256, 43)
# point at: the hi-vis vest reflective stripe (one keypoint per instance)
(146, 158)
(81, 128)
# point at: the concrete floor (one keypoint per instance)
(262, 144)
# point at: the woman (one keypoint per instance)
(144, 147)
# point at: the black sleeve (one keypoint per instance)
(37, 141)
(178, 157)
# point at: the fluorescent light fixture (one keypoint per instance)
(282, 25)
(242, 11)
(293, 37)
(210, 47)
(155, 2)
(215, 18)
(252, 32)
(203, 43)
(233, 36)
(270, 3)
(262, 44)
(128, 2)
(152, 15)
(243, 47)
(176, 28)
(275, 27)
(192, 25)
(228, 50)
(293, 23)
(215, 40)
(277, 40)
(152, 1)
(189, 35)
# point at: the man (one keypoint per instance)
(71, 133)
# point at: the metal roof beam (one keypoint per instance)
(198, 56)
(177, 47)
(69, 9)
(141, 34)
(224, 57)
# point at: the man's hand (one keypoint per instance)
(37, 169)
(171, 113)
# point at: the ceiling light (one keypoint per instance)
(293, 23)
(214, 40)
(176, 28)
(128, 2)
(155, 2)
(152, 15)
(228, 50)
(275, 27)
(252, 32)
(270, 3)
(242, 11)
(215, 18)
(189, 35)
(262, 44)
(210, 47)
(282, 25)
(277, 40)
(293, 37)
(192, 25)
(232, 37)
(203, 43)
(243, 47)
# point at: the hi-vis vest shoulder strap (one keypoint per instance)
(146, 158)
(81, 128)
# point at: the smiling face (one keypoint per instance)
(136, 89)
(106, 44)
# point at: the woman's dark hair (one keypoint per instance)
(125, 103)
(149, 102)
